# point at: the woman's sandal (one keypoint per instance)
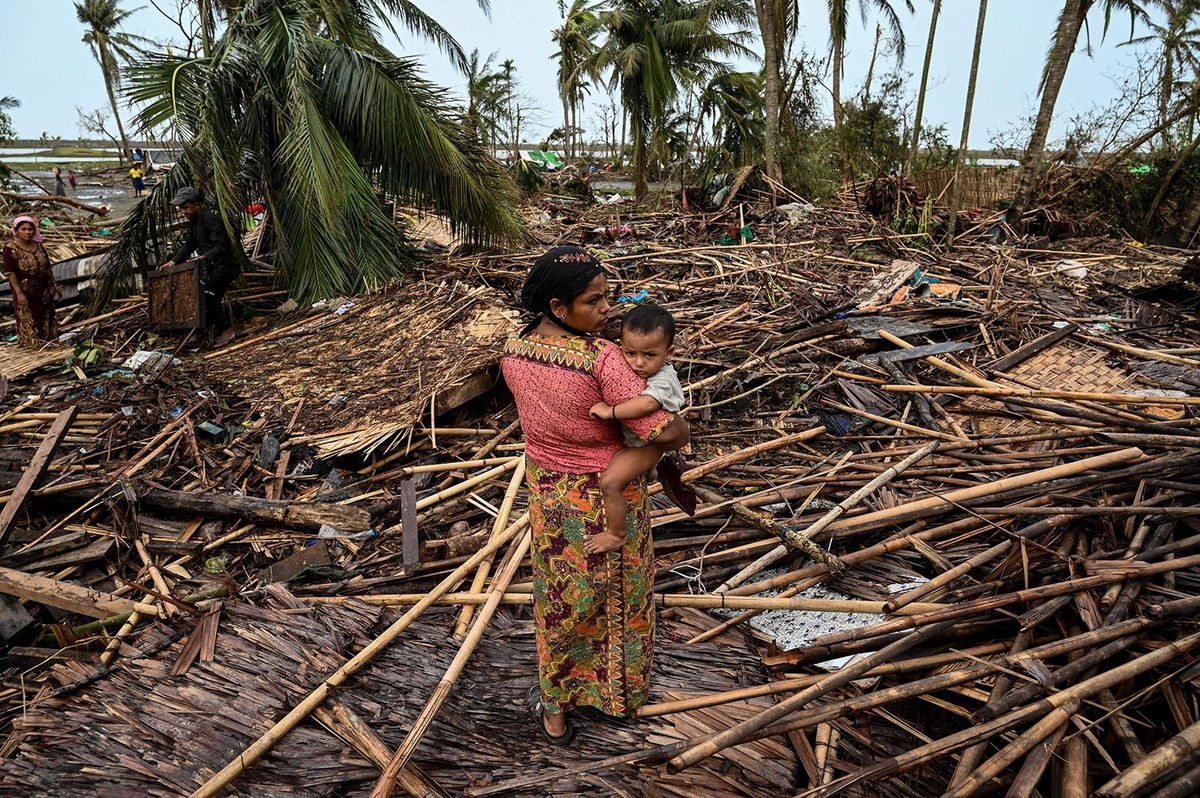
(533, 705)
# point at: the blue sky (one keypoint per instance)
(46, 66)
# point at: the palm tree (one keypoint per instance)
(487, 98)
(916, 135)
(772, 21)
(1070, 23)
(955, 195)
(1179, 39)
(109, 44)
(6, 129)
(576, 49)
(406, 12)
(839, 12)
(736, 104)
(657, 47)
(307, 111)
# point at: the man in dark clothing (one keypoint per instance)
(207, 236)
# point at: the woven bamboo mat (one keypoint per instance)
(369, 368)
(1063, 367)
(142, 732)
(17, 361)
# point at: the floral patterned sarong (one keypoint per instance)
(595, 613)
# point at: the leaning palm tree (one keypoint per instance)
(1071, 22)
(110, 45)
(654, 48)
(839, 14)
(307, 111)
(576, 48)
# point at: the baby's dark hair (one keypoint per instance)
(645, 319)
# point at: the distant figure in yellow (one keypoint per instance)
(139, 185)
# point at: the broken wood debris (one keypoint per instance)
(989, 493)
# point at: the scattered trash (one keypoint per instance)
(145, 360)
(213, 433)
(326, 532)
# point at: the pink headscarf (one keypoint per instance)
(37, 235)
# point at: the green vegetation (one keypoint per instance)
(301, 105)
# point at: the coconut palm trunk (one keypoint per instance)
(916, 136)
(768, 27)
(836, 86)
(1069, 24)
(955, 194)
(109, 68)
(566, 105)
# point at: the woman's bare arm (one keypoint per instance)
(675, 436)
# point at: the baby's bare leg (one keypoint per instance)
(626, 466)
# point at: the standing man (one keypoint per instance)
(207, 236)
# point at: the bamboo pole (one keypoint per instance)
(481, 575)
(387, 781)
(739, 732)
(968, 565)
(1045, 393)
(947, 745)
(787, 685)
(467, 484)
(764, 522)
(487, 447)
(1167, 756)
(1053, 722)
(818, 526)
(715, 601)
(971, 608)
(929, 433)
(821, 713)
(972, 756)
(741, 455)
(1064, 675)
(314, 699)
(947, 500)
(1073, 780)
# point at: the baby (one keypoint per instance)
(647, 341)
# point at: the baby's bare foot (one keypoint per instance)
(602, 542)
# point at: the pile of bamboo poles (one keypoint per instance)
(1012, 564)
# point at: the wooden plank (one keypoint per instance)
(289, 567)
(93, 551)
(408, 526)
(1021, 354)
(65, 595)
(14, 618)
(470, 388)
(37, 467)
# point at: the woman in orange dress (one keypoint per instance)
(31, 277)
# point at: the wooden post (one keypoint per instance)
(409, 532)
